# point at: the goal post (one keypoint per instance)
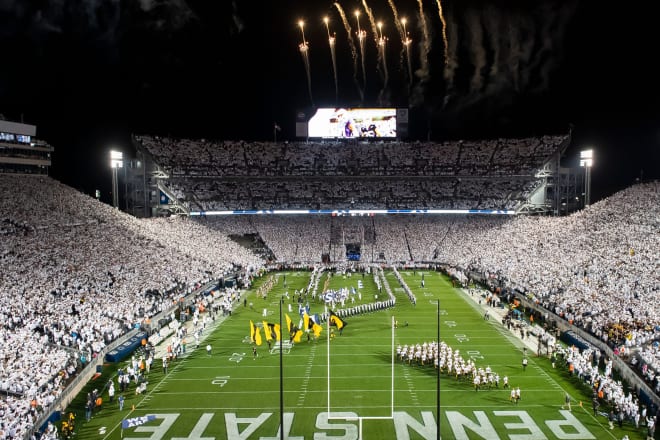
(360, 419)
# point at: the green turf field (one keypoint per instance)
(232, 395)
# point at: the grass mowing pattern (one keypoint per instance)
(231, 395)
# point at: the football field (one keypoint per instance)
(354, 386)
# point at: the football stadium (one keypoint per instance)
(327, 288)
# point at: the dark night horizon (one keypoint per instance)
(90, 73)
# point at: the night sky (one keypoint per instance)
(89, 73)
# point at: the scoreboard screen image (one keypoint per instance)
(347, 123)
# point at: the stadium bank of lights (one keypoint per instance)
(587, 161)
(116, 161)
(351, 212)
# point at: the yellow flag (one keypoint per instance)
(270, 328)
(308, 323)
(267, 331)
(257, 336)
(278, 332)
(297, 335)
(317, 329)
(336, 321)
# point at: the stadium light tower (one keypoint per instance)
(116, 161)
(587, 161)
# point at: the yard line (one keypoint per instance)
(306, 377)
(399, 407)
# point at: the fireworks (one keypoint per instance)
(304, 51)
(331, 44)
(360, 50)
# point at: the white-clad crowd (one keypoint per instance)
(351, 192)
(505, 156)
(598, 268)
(493, 174)
(76, 274)
(584, 364)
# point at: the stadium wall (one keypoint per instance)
(127, 347)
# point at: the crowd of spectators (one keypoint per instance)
(189, 157)
(597, 268)
(351, 192)
(625, 405)
(208, 176)
(76, 274)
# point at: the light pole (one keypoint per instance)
(115, 162)
(587, 161)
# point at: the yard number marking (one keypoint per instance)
(220, 380)
(474, 354)
(237, 357)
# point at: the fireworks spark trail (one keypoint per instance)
(516, 51)
(371, 19)
(399, 24)
(407, 42)
(426, 38)
(444, 29)
(477, 52)
(452, 64)
(492, 21)
(377, 38)
(510, 47)
(417, 97)
(304, 51)
(483, 35)
(382, 43)
(331, 42)
(551, 50)
(362, 36)
(351, 43)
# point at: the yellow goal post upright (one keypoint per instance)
(361, 418)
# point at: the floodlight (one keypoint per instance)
(586, 158)
(116, 161)
(587, 161)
